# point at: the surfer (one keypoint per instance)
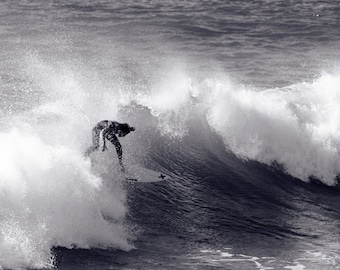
(106, 129)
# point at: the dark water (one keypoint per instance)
(237, 101)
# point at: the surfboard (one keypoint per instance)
(144, 175)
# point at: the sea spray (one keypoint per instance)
(51, 195)
(297, 126)
(169, 101)
(49, 198)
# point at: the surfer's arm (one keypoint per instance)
(103, 135)
(121, 166)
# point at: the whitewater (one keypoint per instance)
(248, 129)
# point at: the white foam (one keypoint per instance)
(296, 267)
(298, 127)
(168, 101)
(50, 195)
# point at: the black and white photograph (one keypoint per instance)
(170, 134)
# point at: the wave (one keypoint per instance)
(296, 127)
(50, 194)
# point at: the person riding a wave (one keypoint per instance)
(106, 129)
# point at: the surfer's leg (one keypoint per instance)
(114, 140)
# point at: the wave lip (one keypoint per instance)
(297, 126)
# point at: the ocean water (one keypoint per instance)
(238, 101)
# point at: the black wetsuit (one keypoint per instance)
(108, 130)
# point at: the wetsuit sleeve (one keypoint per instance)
(103, 135)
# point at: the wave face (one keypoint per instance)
(296, 127)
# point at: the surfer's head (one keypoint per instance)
(124, 130)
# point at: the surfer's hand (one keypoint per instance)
(122, 169)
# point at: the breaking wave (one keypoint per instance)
(52, 196)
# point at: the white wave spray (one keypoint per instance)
(50, 195)
(297, 126)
